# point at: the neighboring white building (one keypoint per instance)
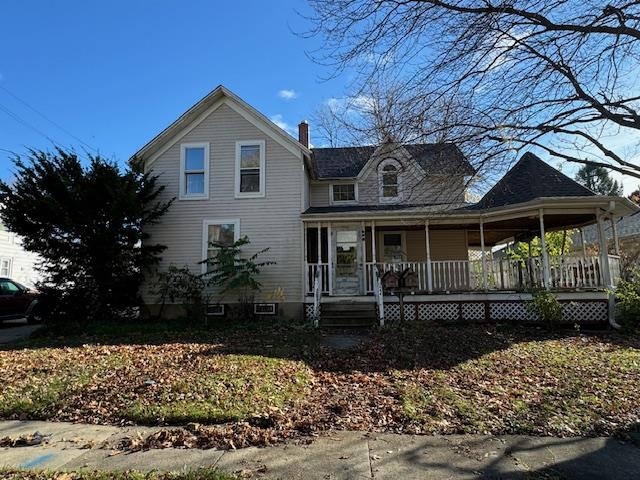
(15, 262)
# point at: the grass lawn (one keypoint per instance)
(259, 387)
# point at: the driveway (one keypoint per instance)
(14, 330)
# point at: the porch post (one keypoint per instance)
(605, 273)
(584, 245)
(305, 265)
(545, 257)
(484, 258)
(373, 242)
(616, 241)
(329, 258)
(428, 247)
(319, 244)
(363, 258)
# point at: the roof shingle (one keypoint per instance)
(528, 179)
(347, 162)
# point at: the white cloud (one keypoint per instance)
(288, 94)
(279, 121)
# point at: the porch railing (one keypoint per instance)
(312, 270)
(566, 272)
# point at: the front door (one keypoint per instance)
(347, 262)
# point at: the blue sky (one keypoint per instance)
(113, 74)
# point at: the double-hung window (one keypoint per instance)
(250, 169)
(343, 192)
(389, 178)
(218, 232)
(194, 171)
(5, 267)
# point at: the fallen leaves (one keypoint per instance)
(24, 440)
(257, 390)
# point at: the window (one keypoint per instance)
(215, 310)
(5, 267)
(194, 171)
(222, 232)
(9, 288)
(389, 181)
(393, 247)
(343, 192)
(250, 178)
(265, 309)
(389, 178)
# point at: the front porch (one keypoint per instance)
(344, 257)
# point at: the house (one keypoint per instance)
(15, 261)
(336, 219)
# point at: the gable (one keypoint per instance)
(198, 113)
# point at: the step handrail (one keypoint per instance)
(317, 295)
(379, 295)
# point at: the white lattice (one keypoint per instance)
(585, 312)
(473, 312)
(391, 312)
(511, 311)
(409, 312)
(438, 311)
(308, 311)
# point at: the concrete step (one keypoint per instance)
(338, 322)
(348, 306)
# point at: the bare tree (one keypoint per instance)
(557, 75)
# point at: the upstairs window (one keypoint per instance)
(343, 192)
(250, 178)
(389, 177)
(194, 171)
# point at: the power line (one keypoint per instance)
(23, 122)
(38, 112)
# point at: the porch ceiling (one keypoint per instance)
(526, 227)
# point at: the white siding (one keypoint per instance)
(22, 262)
(320, 194)
(272, 221)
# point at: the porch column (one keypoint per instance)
(484, 258)
(329, 258)
(546, 272)
(605, 272)
(305, 263)
(584, 245)
(373, 242)
(363, 258)
(428, 253)
(616, 241)
(319, 244)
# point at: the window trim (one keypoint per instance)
(205, 235)
(9, 260)
(261, 193)
(271, 305)
(403, 241)
(183, 184)
(343, 202)
(381, 165)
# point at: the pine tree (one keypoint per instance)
(87, 224)
(597, 179)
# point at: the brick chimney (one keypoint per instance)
(303, 133)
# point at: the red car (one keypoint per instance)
(17, 301)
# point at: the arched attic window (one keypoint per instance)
(389, 179)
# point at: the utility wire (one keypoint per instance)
(23, 122)
(38, 112)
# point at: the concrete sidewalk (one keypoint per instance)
(340, 455)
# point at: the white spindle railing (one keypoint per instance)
(567, 272)
(312, 269)
(379, 295)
